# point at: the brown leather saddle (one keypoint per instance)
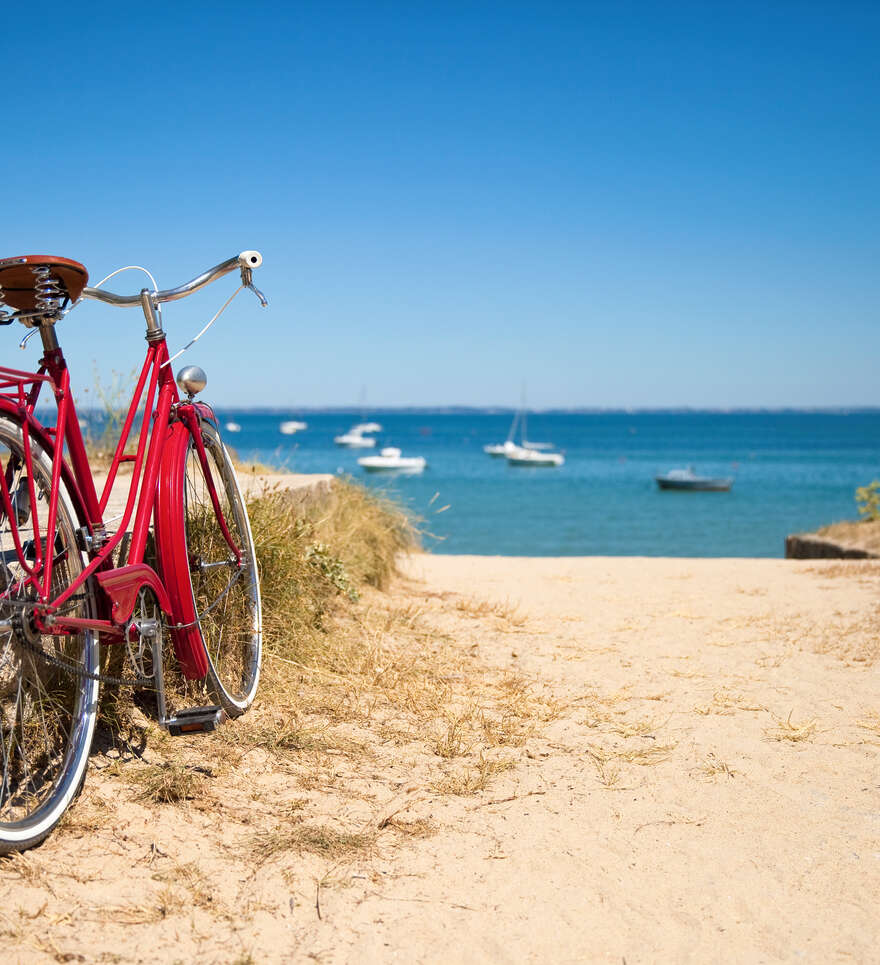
(30, 283)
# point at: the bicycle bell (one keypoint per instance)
(191, 379)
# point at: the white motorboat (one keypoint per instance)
(688, 481)
(354, 440)
(390, 459)
(363, 427)
(233, 427)
(291, 426)
(520, 456)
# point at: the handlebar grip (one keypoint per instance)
(250, 259)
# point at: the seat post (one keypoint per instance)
(47, 334)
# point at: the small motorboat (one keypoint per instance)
(291, 426)
(233, 427)
(688, 480)
(354, 440)
(363, 427)
(391, 460)
(520, 456)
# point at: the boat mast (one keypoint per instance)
(513, 425)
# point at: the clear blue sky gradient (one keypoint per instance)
(623, 204)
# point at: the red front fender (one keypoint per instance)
(171, 552)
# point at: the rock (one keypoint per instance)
(810, 546)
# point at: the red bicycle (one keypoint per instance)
(181, 557)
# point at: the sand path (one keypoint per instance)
(715, 842)
(706, 790)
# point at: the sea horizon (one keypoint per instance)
(455, 409)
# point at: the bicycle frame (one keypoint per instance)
(174, 424)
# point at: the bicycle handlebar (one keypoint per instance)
(246, 262)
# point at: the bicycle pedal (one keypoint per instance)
(195, 720)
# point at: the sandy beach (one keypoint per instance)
(682, 767)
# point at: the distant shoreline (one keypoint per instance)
(510, 410)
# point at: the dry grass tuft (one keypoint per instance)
(713, 767)
(727, 702)
(28, 869)
(315, 546)
(861, 534)
(480, 608)
(785, 730)
(607, 768)
(637, 728)
(867, 570)
(193, 880)
(854, 637)
(169, 782)
(413, 827)
(625, 740)
(322, 840)
(166, 902)
(647, 756)
(279, 730)
(453, 739)
(472, 779)
(871, 722)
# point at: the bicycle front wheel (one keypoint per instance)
(48, 700)
(221, 596)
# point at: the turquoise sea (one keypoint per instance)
(794, 471)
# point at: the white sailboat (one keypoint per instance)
(533, 453)
(525, 453)
(520, 456)
(498, 450)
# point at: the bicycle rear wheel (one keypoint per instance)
(221, 598)
(48, 703)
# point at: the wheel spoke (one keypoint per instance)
(225, 596)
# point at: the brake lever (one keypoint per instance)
(263, 300)
(247, 281)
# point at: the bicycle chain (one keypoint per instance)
(140, 680)
(69, 666)
(62, 663)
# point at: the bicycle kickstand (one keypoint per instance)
(193, 720)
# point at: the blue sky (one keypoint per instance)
(621, 204)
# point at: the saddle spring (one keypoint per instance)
(48, 293)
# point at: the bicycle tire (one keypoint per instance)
(219, 597)
(47, 714)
